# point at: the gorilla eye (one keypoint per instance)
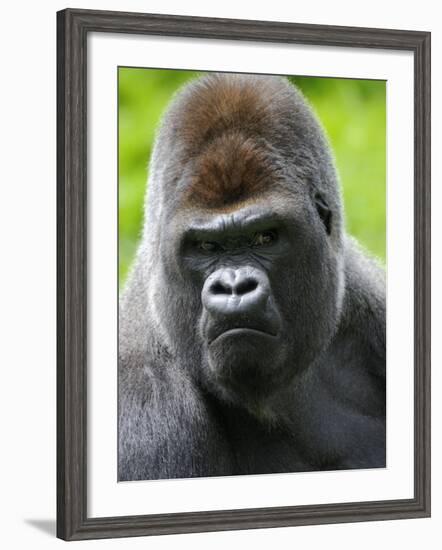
(264, 238)
(324, 213)
(208, 246)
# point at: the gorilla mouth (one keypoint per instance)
(242, 331)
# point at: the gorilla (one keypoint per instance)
(252, 327)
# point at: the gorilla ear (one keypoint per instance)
(324, 212)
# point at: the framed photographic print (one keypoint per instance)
(243, 274)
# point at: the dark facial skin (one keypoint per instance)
(246, 266)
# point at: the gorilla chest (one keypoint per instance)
(325, 428)
(257, 448)
(339, 421)
(328, 439)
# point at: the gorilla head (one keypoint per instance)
(242, 249)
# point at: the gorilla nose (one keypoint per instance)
(235, 291)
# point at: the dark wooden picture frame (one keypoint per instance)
(73, 27)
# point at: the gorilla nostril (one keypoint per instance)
(248, 285)
(220, 288)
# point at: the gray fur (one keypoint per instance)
(325, 407)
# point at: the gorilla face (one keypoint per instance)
(249, 284)
(262, 291)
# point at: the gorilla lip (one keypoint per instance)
(239, 331)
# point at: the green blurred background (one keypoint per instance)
(353, 113)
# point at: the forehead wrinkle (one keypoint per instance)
(230, 208)
(235, 215)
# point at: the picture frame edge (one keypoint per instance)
(72, 521)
